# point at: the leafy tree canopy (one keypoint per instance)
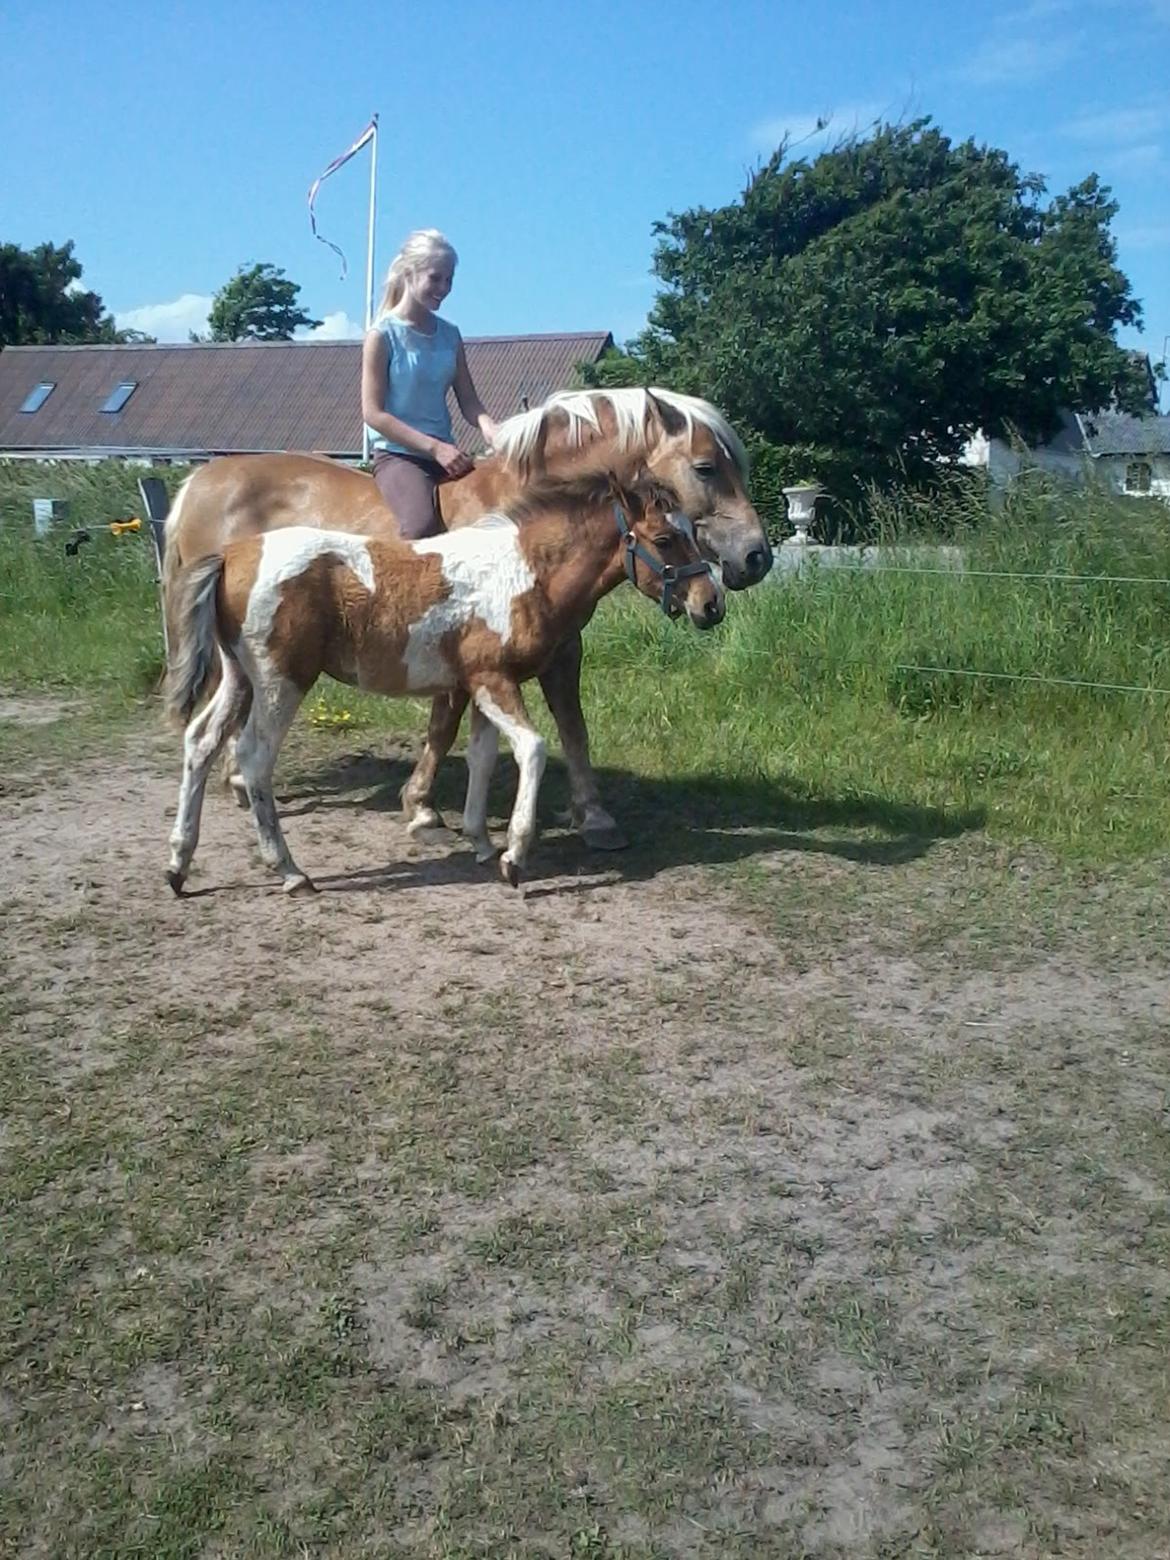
(889, 297)
(258, 304)
(41, 301)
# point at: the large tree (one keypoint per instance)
(40, 300)
(887, 298)
(258, 304)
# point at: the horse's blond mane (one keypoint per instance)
(587, 490)
(518, 437)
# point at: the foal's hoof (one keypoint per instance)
(176, 880)
(509, 871)
(425, 818)
(239, 790)
(604, 836)
(299, 887)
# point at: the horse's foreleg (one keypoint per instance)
(481, 761)
(201, 744)
(561, 684)
(446, 713)
(502, 703)
(256, 753)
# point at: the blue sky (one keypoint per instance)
(174, 143)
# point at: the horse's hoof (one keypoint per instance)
(605, 837)
(509, 871)
(299, 887)
(425, 818)
(176, 880)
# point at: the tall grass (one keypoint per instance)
(808, 693)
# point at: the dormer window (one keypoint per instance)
(120, 394)
(37, 397)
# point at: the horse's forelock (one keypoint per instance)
(695, 410)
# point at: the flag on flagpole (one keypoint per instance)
(366, 136)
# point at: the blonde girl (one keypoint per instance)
(410, 359)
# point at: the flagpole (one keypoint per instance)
(370, 261)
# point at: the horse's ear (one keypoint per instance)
(670, 417)
(656, 494)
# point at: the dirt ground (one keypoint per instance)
(761, 1191)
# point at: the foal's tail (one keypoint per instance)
(194, 641)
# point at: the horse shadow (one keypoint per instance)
(692, 820)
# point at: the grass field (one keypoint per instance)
(793, 1184)
(803, 685)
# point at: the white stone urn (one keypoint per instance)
(802, 508)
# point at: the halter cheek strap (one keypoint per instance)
(668, 573)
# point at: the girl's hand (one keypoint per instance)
(452, 459)
(489, 430)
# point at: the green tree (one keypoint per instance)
(258, 304)
(879, 303)
(41, 302)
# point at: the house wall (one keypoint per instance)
(1003, 463)
(1112, 468)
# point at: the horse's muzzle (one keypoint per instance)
(740, 573)
(709, 614)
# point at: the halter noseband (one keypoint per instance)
(668, 573)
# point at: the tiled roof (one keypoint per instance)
(246, 396)
(1117, 433)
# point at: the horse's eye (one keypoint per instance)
(704, 468)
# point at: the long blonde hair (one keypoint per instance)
(422, 245)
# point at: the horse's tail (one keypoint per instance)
(172, 562)
(194, 639)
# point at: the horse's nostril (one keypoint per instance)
(758, 562)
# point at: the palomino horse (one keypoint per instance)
(479, 609)
(681, 440)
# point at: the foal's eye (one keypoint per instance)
(665, 538)
(704, 468)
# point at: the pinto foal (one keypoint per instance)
(480, 609)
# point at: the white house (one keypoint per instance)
(1124, 453)
(1121, 452)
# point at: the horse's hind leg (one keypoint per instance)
(481, 760)
(503, 704)
(201, 743)
(256, 753)
(446, 713)
(561, 685)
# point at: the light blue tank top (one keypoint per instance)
(421, 371)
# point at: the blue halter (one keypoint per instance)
(668, 573)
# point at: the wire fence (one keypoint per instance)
(958, 572)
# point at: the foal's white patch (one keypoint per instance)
(487, 571)
(287, 553)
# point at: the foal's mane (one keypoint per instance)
(519, 439)
(587, 491)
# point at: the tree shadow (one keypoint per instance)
(672, 822)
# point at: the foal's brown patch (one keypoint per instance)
(241, 566)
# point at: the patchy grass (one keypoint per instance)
(811, 1201)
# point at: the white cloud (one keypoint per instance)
(335, 327)
(168, 321)
(1132, 159)
(1153, 235)
(1010, 58)
(1118, 127)
(813, 131)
